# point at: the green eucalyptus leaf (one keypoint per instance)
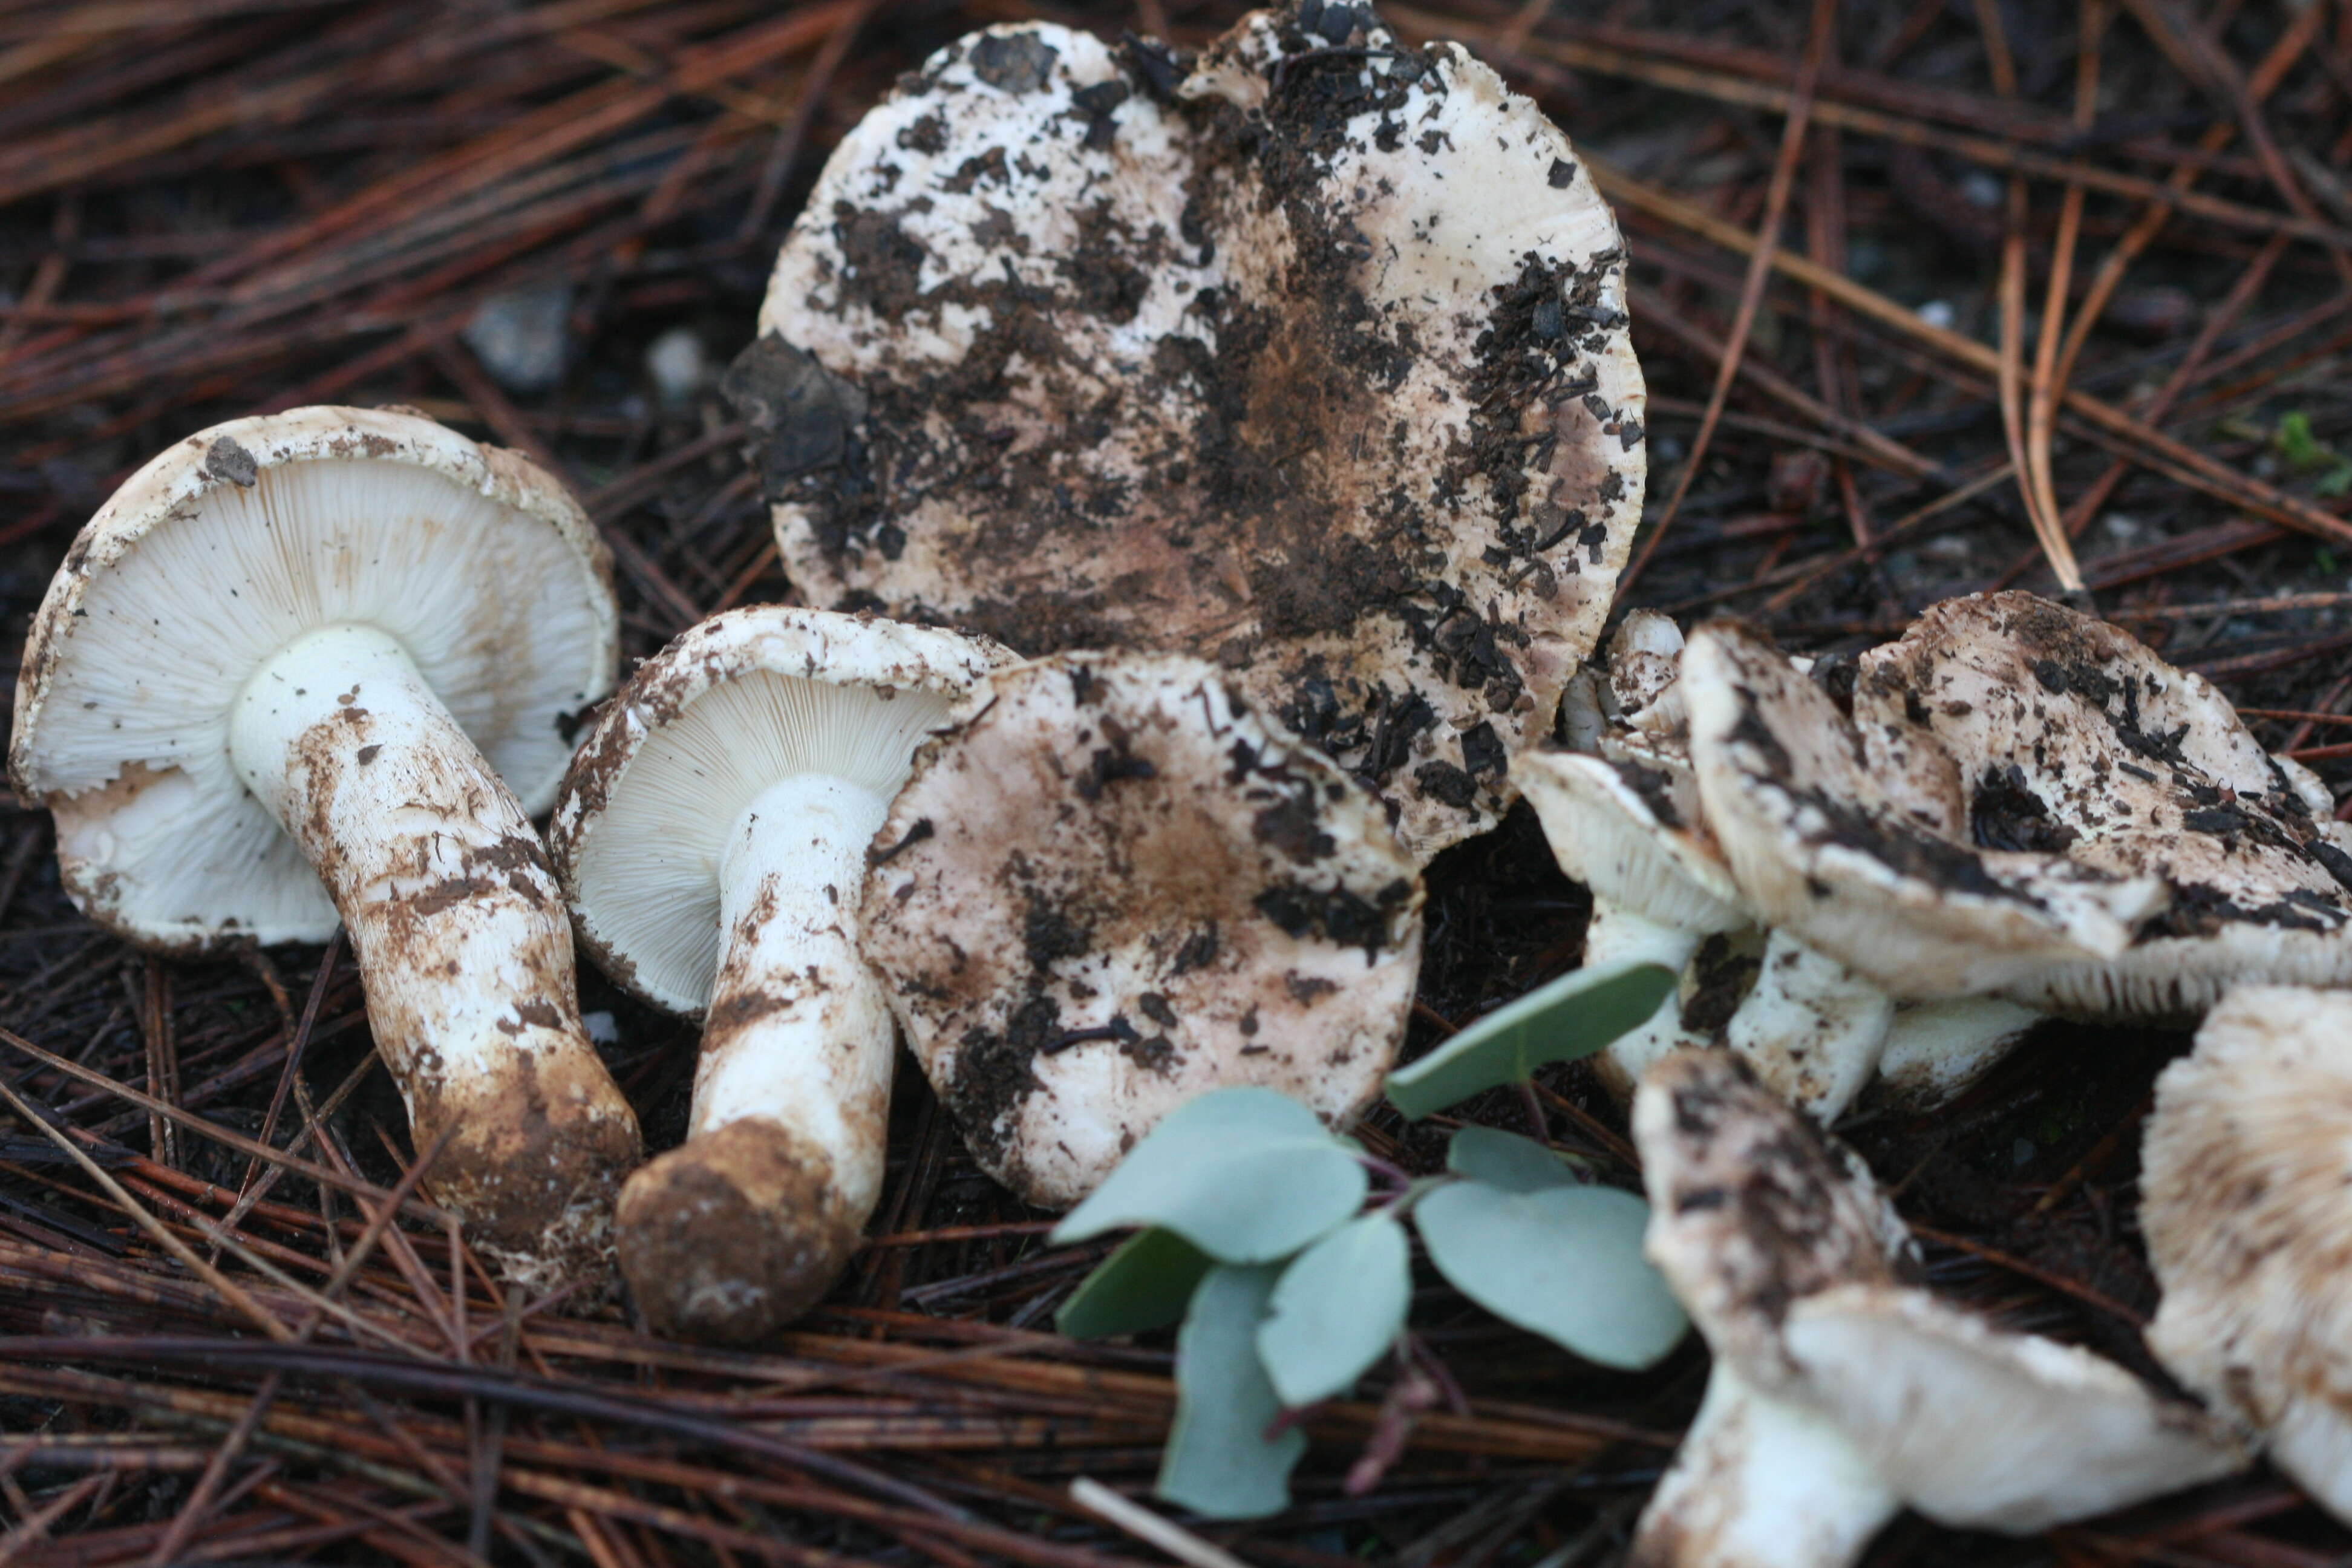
(1219, 1462)
(1562, 1262)
(1143, 1284)
(1507, 1160)
(1245, 1174)
(1338, 1306)
(1571, 1016)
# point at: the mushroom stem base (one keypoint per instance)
(744, 1226)
(463, 944)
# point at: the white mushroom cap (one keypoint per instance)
(1793, 1267)
(738, 702)
(2026, 801)
(1115, 886)
(1626, 825)
(221, 551)
(1309, 360)
(1982, 1428)
(2242, 1181)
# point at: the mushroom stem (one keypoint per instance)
(1617, 935)
(1761, 1483)
(1812, 1028)
(747, 1224)
(463, 944)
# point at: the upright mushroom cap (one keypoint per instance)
(736, 703)
(221, 551)
(1308, 356)
(2243, 1184)
(1115, 886)
(1794, 1267)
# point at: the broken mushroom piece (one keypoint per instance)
(711, 836)
(2242, 1179)
(2024, 801)
(324, 664)
(1308, 355)
(1115, 886)
(1841, 1392)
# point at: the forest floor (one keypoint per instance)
(212, 208)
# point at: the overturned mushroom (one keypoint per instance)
(1115, 886)
(1308, 355)
(1624, 817)
(1840, 1393)
(2026, 801)
(711, 836)
(2243, 1182)
(325, 664)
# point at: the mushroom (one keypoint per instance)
(1114, 886)
(325, 664)
(2242, 1185)
(1308, 355)
(711, 837)
(1624, 817)
(1841, 1392)
(2024, 802)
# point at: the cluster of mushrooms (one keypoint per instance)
(1220, 467)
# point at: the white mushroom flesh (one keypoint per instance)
(1760, 1482)
(1984, 1429)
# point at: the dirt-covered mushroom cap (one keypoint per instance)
(2026, 800)
(230, 545)
(1752, 1206)
(1116, 884)
(1645, 667)
(1623, 817)
(737, 703)
(1857, 838)
(1308, 355)
(2243, 1184)
(1841, 1393)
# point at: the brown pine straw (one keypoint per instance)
(1823, 29)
